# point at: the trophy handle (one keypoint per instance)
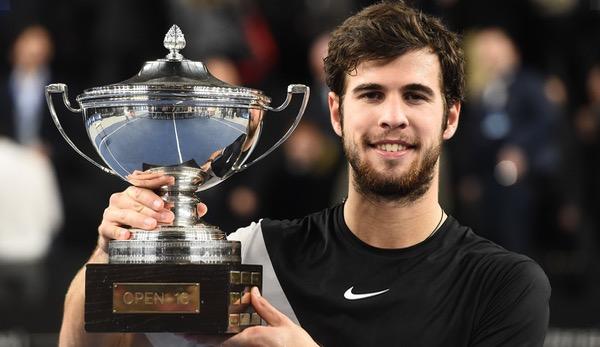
(292, 89)
(61, 88)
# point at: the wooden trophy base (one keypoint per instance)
(191, 298)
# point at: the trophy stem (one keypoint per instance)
(187, 239)
(184, 206)
(181, 195)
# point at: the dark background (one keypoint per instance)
(103, 42)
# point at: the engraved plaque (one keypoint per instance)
(156, 298)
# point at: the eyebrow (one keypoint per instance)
(409, 87)
(419, 88)
(366, 86)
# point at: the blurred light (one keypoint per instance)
(506, 173)
(556, 7)
(495, 125)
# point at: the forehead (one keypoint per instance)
(420, 66)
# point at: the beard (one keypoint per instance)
(403, 189)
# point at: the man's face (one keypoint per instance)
(392, 125)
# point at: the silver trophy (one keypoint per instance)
(175, 117)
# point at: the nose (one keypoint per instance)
(393, 115)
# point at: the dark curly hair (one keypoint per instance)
(386, 30)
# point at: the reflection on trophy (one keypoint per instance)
(173, 117)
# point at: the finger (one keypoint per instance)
(151, 182)
(103, 244)
(241, 304)
(266, 311)
(142, 196)
(253, 336)
(146, 174)
(114, 215)
(202, 209)
(125, 202)
(110, 231)
(205, 340)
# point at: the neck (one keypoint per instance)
(393, 224)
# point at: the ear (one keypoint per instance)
(452, 121)
(334, 112)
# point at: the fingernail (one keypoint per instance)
(124, 234)
(148, 222)
(166, 216)
(157, 203)
(256, 292)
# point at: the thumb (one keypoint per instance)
(266, 311)
(202, 209)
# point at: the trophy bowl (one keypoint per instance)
(176, 118)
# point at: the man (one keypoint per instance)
(509, 145)
(24, 117)
(388, 266)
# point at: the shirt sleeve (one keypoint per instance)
(254, 251)
(246, 236)
(518, 311)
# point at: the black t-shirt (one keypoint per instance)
(453, 289)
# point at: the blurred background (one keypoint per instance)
(523, 169)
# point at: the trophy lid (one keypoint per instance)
(174, 77)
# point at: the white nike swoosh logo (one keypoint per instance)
(351, 296)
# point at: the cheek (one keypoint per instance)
(430, 122)
(361, 123)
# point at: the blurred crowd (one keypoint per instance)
(523, 169)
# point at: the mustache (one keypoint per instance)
(391, 135)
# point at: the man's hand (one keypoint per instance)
(137, 207)
(280, 332)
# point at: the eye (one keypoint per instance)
(372, 96)
(415, 98)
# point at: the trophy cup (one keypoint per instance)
(173, 117)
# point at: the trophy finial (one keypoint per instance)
(174, 41)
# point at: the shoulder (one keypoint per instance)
(317, 224)
(475, 249)
(513, 305)
(513, 278)
(494, 268)
(296, 238)
(244, 233)
(499, 265)
(305, 230)
(264, 225)
(322, 217)
(516, 275)
(511, 292)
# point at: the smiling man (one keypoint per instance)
(388, 266)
